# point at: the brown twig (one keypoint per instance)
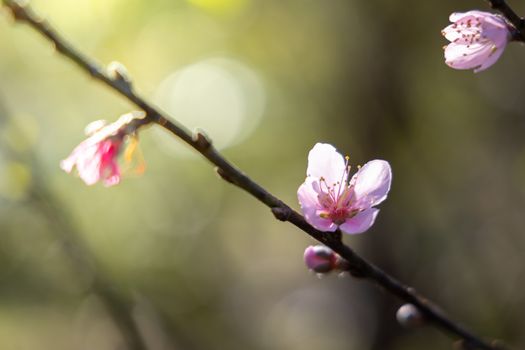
(517, 22)
(358, 266)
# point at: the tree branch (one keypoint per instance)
(517, 22)
(358, 266)
(117, 308)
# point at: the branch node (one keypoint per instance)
(342, 264)
(356, 270)
(161, 120)
(463, 345)
(223, 175)
(281, 213)
(117, 72)
(337, 236)
(18, 9)
(201, 140)
(516, 34)
(498, 344)
(495, 4)
(411, 290)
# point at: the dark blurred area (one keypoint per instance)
(178, 258)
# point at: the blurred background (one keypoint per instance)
(179, 259)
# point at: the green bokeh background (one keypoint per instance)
(202, 265)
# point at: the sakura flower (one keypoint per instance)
(330, 199)
(477, 40)
(96, 158)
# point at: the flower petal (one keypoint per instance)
(113, 179)
(95, 126)
(68, 164)
(88, 164)
(324, 161)
(457, 16)
(372, 183)
(361, 222)
(455, 35)
(494, 55)
(496, 29)
(475, 56)
(308, 198)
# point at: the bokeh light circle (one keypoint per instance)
(220, 95)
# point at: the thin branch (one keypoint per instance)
(77, 252)
(358, 266)
(75, 248)
(517, 22)
(117, 305)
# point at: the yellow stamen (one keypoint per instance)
(133, 154)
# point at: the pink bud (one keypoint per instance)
(320, 259)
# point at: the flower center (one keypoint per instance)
(337, 199)
(470, 30)
(339, 215)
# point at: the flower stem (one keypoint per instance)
(517, 21)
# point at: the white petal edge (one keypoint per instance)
(372, 182)
(361, 222)
(310, 206)
(324, 161)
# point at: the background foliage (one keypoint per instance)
(202, 265)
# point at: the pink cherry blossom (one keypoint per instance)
(330, 200)
(477, 40)
(96, 158)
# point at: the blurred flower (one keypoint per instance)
(330, 200)
(96, 158)
(477, 40)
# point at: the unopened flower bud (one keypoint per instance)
(118, 72)
(320, 259)
(201, 139)
(409, 316)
